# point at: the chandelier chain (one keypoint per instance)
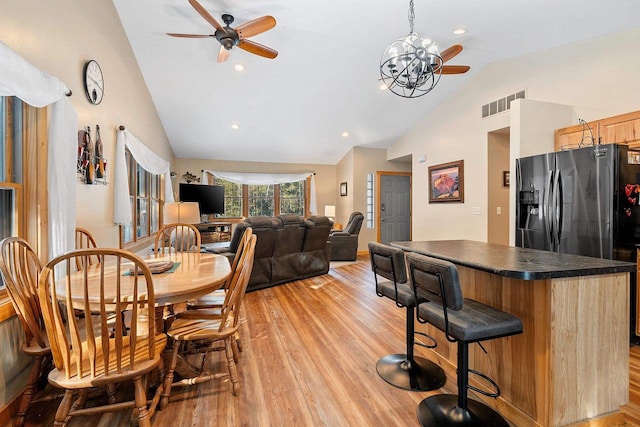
(412, 16)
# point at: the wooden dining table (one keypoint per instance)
(194, 274)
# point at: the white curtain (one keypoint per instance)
(148, 160)
(35, 87)
(248, 178)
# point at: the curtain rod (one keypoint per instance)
(121, 127)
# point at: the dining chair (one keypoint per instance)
(20, 268)
(210, 305)
(216, 298)
(84, 240)
(97, 357)
(177, 237)
(210, 329)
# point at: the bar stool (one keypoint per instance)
(440, 302)
(404, 371)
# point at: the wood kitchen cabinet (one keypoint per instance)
(622, 129)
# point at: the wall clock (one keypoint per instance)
(93, 82)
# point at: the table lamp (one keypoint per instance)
(182, 212)
(330, 211)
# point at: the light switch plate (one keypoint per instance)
(476, 210)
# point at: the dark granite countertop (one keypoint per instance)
(519, 263)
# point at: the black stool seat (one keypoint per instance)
(401, 293)
(439, 301)
(474, 322)
(404, 371)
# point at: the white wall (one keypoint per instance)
(598, 78)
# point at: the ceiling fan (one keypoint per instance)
(230, 37)
(448, 54)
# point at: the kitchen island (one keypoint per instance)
(571, 363)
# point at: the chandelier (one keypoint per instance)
(411, 66)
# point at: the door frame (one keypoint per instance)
(377, 199)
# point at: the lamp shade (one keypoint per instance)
(182, 212)
(330, 211)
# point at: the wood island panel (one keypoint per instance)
(570, 364)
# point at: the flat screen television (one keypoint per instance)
(210, 197)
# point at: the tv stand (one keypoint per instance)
(213, 232)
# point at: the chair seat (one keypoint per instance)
(58, 377)
(213, 299)
(405, 293)
(474, 322)
(187, 329)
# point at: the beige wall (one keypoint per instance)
(455, 130)
(498, 194)
(353, 169)
(325, 174)
(59, 37)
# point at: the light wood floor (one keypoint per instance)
(310, 351)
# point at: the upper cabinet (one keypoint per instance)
(622, 129)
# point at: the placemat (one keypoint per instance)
(157, 267)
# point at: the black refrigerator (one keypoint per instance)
(583, 202)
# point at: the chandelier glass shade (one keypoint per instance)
(411, 67)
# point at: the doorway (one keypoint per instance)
(394, 206)
(498, 181)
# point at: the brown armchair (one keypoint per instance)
(344, 244)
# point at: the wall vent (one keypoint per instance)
(501, 105)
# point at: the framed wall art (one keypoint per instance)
(446, 182)
(343, 189)
(505, 178)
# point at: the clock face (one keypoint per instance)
(93, 82)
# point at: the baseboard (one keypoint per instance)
(10, 409)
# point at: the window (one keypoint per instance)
(145, 195)
(11, 134)
(19, 125)
(261, 200)
(370, 202)
(268, 200)
(292, 198)
(232, 198)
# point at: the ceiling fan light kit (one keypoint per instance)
(411, 66)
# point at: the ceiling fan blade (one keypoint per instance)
(454, 69)
(206, 15)
(255, 26)
(190, 36)
(451, 52)
(223, 54)
(257, 49)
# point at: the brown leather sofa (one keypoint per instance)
(288, 248)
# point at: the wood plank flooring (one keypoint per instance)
(310, 349)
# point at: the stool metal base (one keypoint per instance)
(419, 375)
(442, 410)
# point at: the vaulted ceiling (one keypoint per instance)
(325, 80)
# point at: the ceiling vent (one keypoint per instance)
(501, 105)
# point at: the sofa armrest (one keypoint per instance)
(339, 233)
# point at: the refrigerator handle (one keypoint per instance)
(547, 215)
(557, 206)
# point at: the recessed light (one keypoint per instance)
(235, 126)
(459, 31)
(382, 87)
(239, 67)
(345, 134)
